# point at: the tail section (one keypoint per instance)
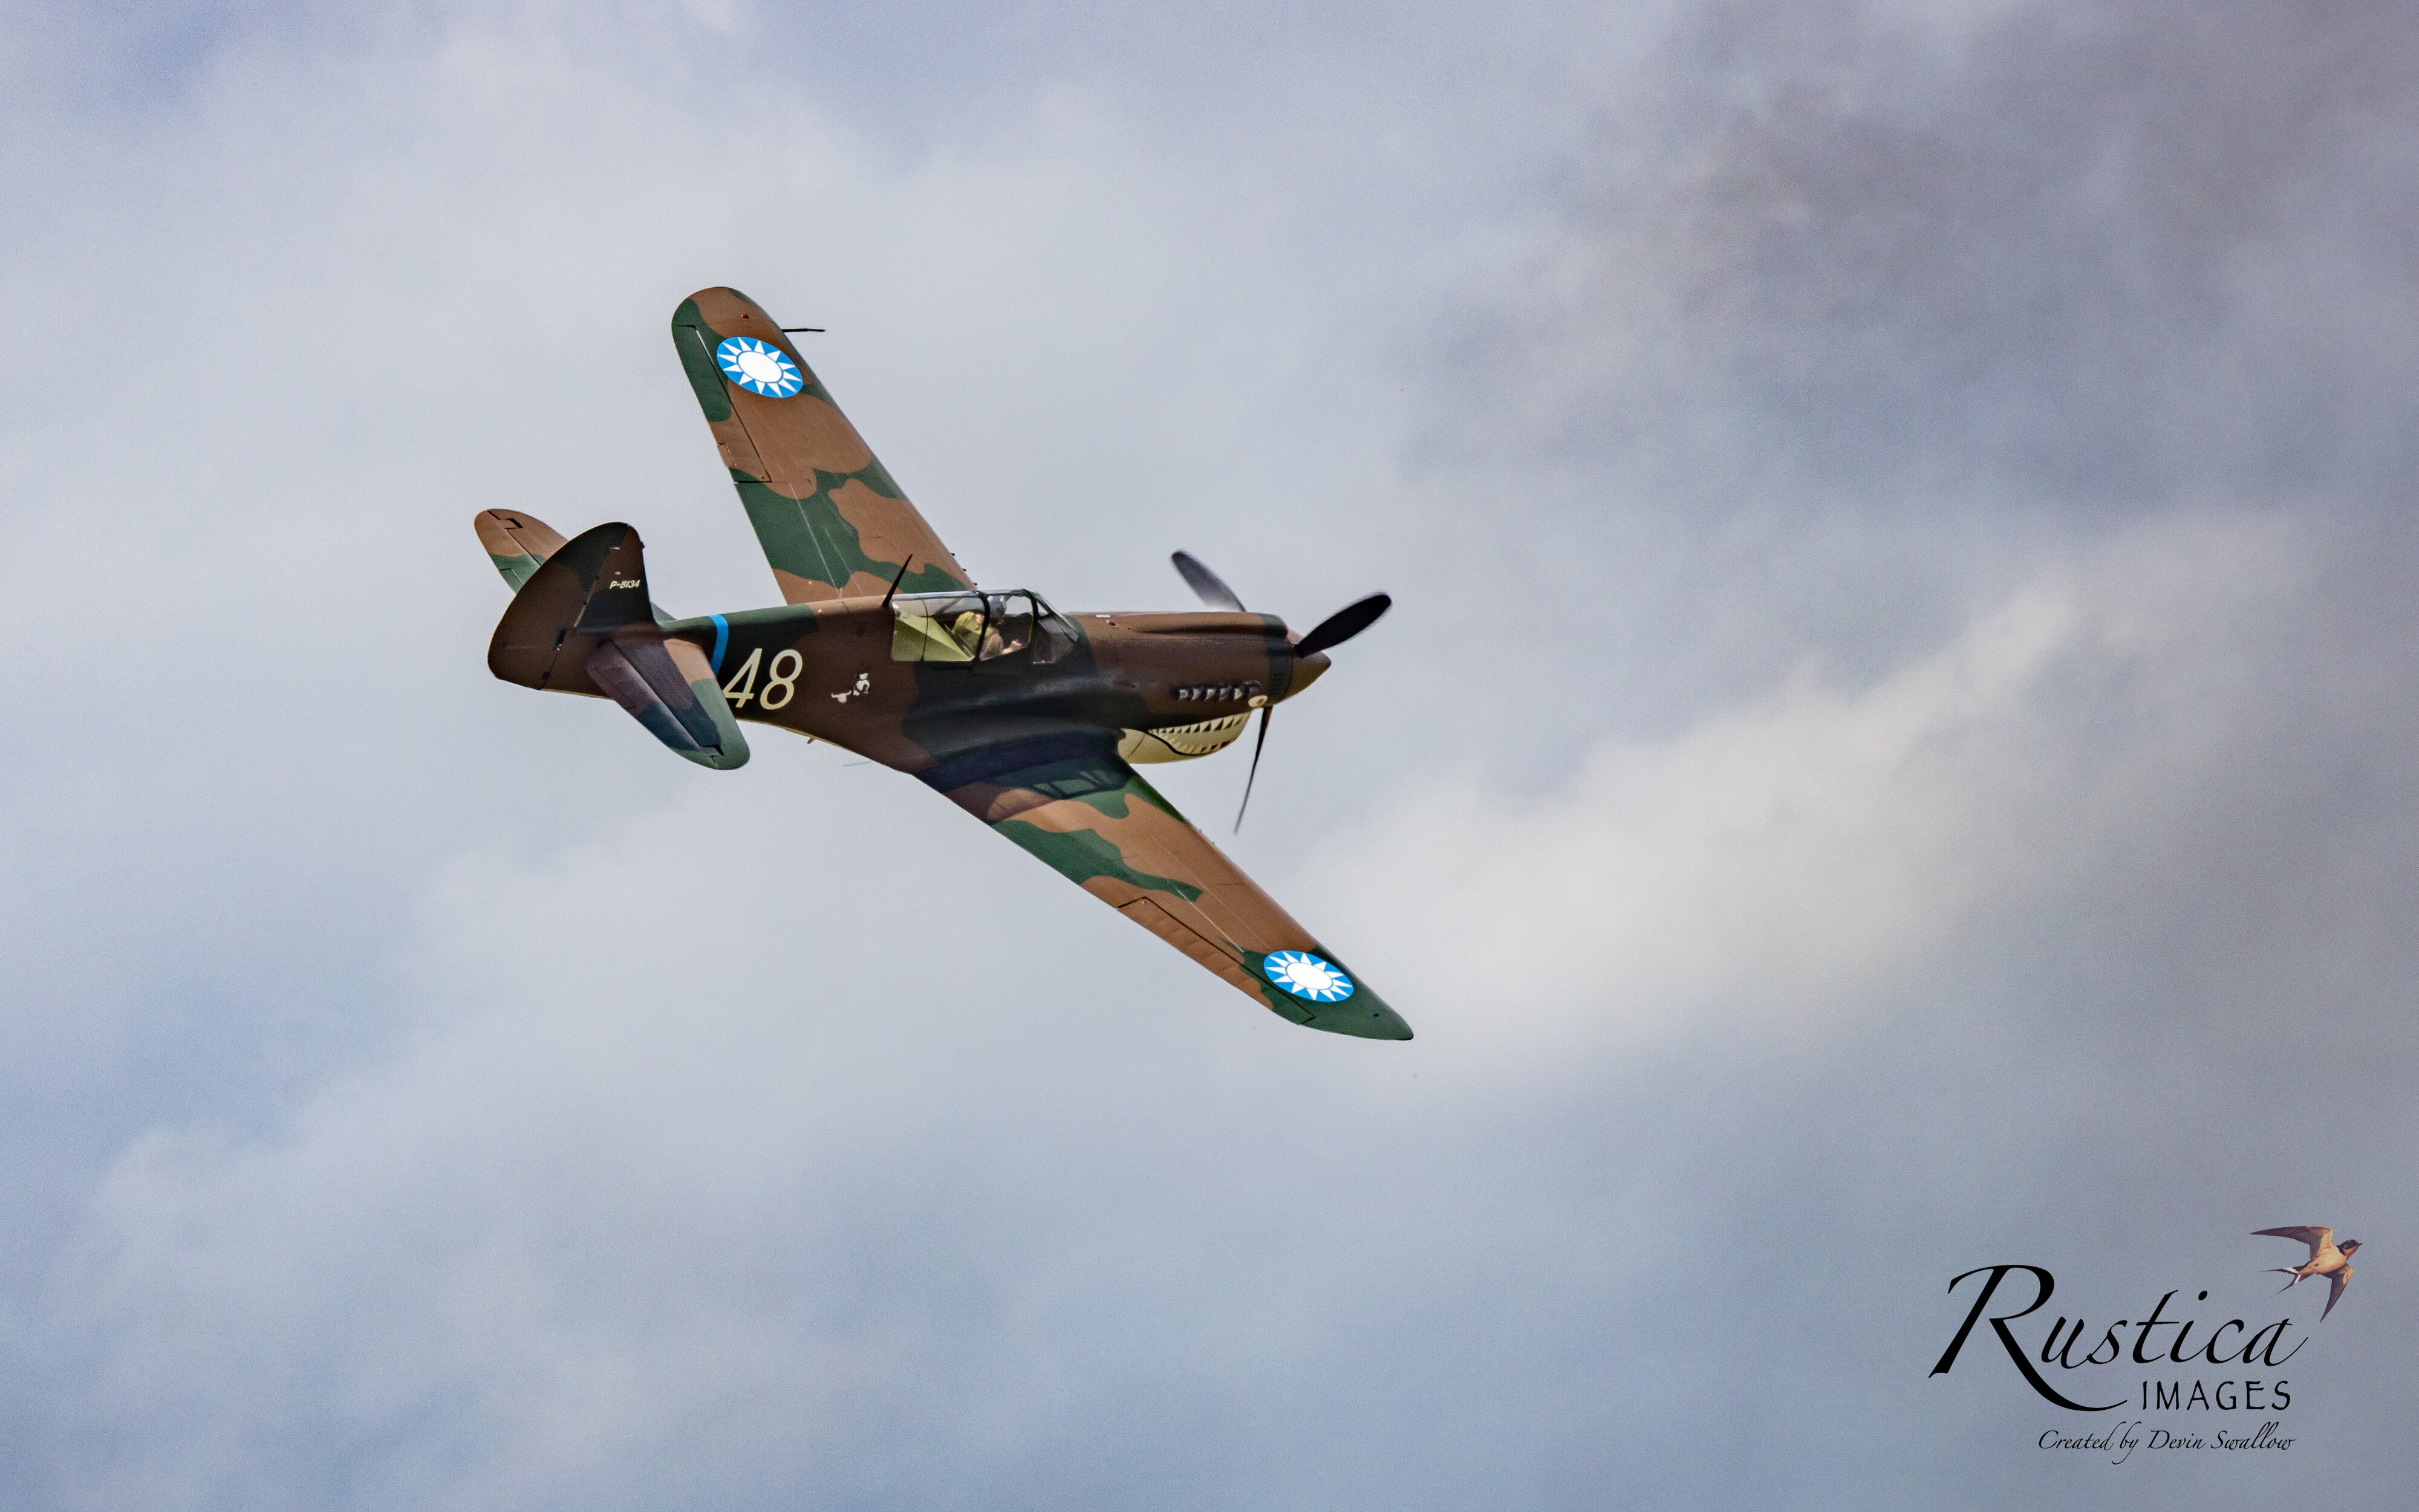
(581, 623)
(517, 542)
(667, 686)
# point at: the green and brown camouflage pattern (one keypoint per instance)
(581, 623)
(830, 520)
(1036, 740)
(1093, 819)
(517, 542)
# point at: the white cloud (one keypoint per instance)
(1784, 859)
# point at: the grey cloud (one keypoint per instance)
(2119, 257)
(336, 1179)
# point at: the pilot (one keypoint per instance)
(1005, 634)
(967, 629)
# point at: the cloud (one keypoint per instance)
(2122, 258)
(681, 1147)
(1801, 850)
(1895, 735)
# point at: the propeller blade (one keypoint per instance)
(1257, 746)
(1206, 584)
(1344, 624)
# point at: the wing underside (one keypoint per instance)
(2316, 1236)
(1083, 811)
(832, 523)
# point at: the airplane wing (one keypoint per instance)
(831, 522)
(2317, 1238)
(1085, 814)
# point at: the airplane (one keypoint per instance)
(1030, 720)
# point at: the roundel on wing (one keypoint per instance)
(1309, 976)
(758, 367)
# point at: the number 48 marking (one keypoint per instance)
(780, 683)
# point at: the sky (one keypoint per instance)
(1893, 752)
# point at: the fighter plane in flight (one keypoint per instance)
(1030, 720)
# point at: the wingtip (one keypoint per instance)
(1380, 1023)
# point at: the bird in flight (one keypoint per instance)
(2327, 1259)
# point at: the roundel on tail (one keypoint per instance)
(758, 367)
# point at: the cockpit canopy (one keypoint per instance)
(976, 627)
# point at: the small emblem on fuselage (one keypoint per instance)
(758, 367)
(1305, 975)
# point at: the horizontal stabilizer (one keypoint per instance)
(517, 542)
(668, 686)
(582, 623)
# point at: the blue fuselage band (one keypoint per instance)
(721, 640)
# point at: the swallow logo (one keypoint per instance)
(758, 367)
(2327, 1259)
(1305, 975)
(2172, 1359)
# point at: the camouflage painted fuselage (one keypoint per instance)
(1027, 719)
(1125, 674)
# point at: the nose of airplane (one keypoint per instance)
(1306, 670)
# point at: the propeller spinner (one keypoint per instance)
(1330, 632)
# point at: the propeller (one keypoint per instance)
(1330, 632)
(1206, 584)
(1344, 624)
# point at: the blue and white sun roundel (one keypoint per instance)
(758, 367)
(1305, 975)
